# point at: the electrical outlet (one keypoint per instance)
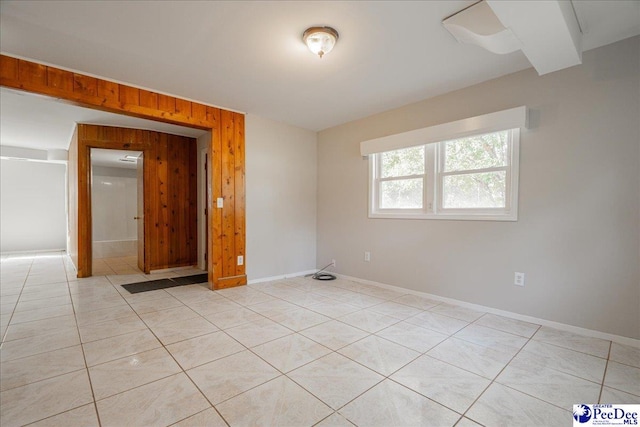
(518, 279)
(367, 256)
(333, 262)
(240, 260)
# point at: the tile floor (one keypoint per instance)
(293, 352)
(115, 265)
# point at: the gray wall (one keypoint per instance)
(577, 238)
(281, 198)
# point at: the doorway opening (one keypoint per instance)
(117, 209)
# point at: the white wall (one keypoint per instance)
(114, 204)
(577, 238)
(32, 206)
(281, 198)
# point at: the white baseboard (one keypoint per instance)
(557, 325)
(283, 276)
(34, 252)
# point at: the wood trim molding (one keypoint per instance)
(227, 232)
(230, 282)
(103, 95)
(169, 182)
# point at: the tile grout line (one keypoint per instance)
(286, 375)
(571, 349)
(499, 373)
(336, 351)
(424, 354)
(183, 371)
(24, 283)
(84, 356)
(55, 376)
(527, 394)
(149, 329)
(162, 346)
(385, 377)
(604, 374)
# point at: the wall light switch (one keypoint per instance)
(220, 202)
(240, 260)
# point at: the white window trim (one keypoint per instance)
(433, 199)
(378, 165)
(510, 211)
(486, 123)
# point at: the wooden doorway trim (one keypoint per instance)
(170, 205)
(227, 232)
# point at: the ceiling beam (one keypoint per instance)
(549, 32)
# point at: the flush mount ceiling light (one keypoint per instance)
(320, 40)
(129, 158)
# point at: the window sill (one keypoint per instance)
(445, 216)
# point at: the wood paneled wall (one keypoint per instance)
(229, 222)
(170, 193)
(226, 225)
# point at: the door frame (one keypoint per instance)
(203, 213)
(227, 225)
(140, 214)
(85, 220)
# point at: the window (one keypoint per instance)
(402, 179)
(473, 177)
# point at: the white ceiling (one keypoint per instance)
(248, 55)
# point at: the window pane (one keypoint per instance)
(401, 194)
(476, 152)
(405, 162)
(477, 190)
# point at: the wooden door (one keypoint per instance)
(142, 265)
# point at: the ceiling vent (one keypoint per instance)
(547, 32)
(478, 25)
